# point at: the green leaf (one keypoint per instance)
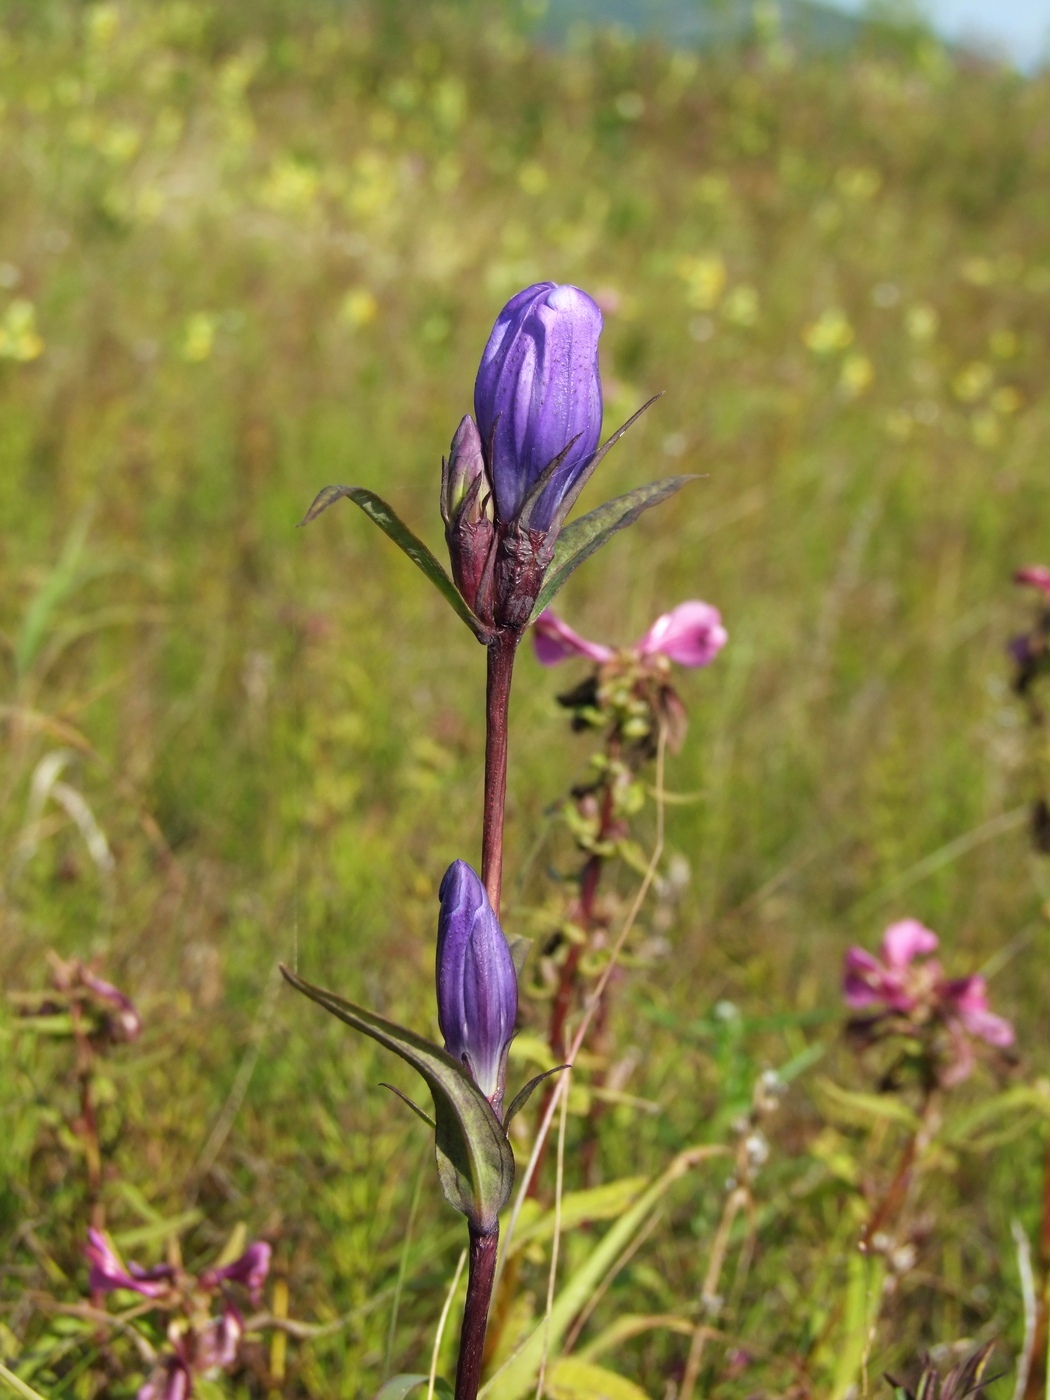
(390, 523)
(859, 1108)
(474, 1158)
(516, 1378)
(522, 1097)
(583, 537)
(572, 495)
(413, 1106)
(605, 1202)
(397, 1387)
(572, 1379)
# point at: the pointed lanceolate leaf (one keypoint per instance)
(474, 1158)
(573, 494)
(390, 523)
(583, 537)
(419, 1112)
(523, 1095)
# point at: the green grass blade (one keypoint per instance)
(517, 1377)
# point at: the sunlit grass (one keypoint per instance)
(248, 251)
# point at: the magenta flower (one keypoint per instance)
(171, 1381)
(125, 1023)
(690, 634)
(909, 985)
(250, 1269)
(108, 1273)
(1035, 576)
(893, 981)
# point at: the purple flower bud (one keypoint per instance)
(477, 987)
(466, 508)
(465, 466)
(538, 393)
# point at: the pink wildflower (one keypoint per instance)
(690, 634)
(250, 1269)
(1035, 576)
(108, 1273)
(911, 988)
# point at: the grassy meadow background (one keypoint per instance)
(247, 250)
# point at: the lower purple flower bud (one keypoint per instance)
(477, 987)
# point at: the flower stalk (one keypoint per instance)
(501, 653)
(480, 1276)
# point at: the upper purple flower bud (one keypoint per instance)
(477, 987)
(537, 392)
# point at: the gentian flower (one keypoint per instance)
(690, 634)
(538, 397)
(916, 997)
(512, 477)
(477, 987)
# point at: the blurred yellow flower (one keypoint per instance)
(705, 279)
(921, 321)
(19, 338)
(985, 429)
(1004, 344)
(532, 178)
(359, 307)
(198, 337)
(979, 272)
(829, 332)
(741, 305)
(857, 375)
(290, 186)
(973, 381)
(102, 24)
(859, 182)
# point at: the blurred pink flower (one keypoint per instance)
(125, 1023)
(555, 641)
(250, 1269)
(690, 634)
(1036, 576)
(909, 984)
(108, 1273)
(172, 1381)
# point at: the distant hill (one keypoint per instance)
(706, 23)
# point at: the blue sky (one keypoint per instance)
(1019, 28)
